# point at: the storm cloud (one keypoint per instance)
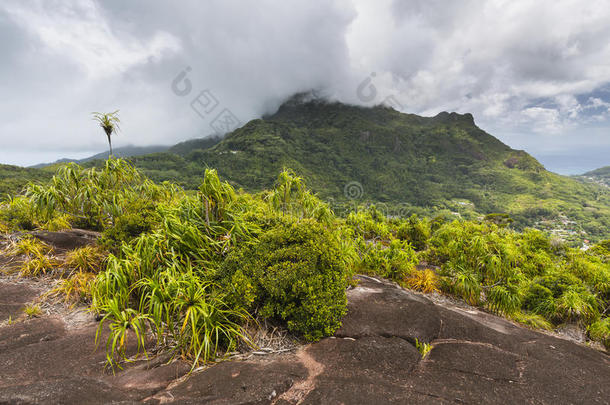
(535, 74)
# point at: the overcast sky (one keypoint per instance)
(534, 74)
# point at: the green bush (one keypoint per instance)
(293, 274)
(539, 299)
(416, 232)
(138, 216)
(601, 250)
(600, 331)
(18, 213)
(394, 260)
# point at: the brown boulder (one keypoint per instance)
(476, 357)
(67, 240)
(13, 298)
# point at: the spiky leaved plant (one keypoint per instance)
(109, 123)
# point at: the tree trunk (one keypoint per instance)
(109, 144)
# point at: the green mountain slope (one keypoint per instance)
(14, 178)
(122, 152)
(442, 164)
(601, 175)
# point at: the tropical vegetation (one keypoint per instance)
(197, 271)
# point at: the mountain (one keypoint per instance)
(122, 152)
(186, 147)
(412, 164)
(380, 155)
(601, 175)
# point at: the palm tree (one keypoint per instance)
(109, 123)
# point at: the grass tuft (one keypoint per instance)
(425, 281)
(531, 320)
(423, 347)
(29, 246)
(74, 289)
(32, 311)
(85, 259)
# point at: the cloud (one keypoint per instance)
(79, 31)
(532, 73)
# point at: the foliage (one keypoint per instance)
(122, 321)
(415, 231)
(192, 270)
(109, 123)
(510, 272)
(29, 246)
(369, 224)
(32, 311)
(116, 199)
(59, 223)
(601, 250)
(75, 288)
(293, 274)
(13, 179)
(600, 331)
(443, 165)
(34, 266)
(85, 259)
(35, 256)
(394, 260)
(423, 347)
(532, 320)
(17, 213)
(425, 281)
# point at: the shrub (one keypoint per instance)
(97, 199)
(539, 299)
(416, 232)
(394, 262)
(600, 331)
(294, 274)
(467, 285)
(370, 224)
(138, 216)
(504, 299)
(173, 301)
(576, 304)
(59, 223)
(18, 213)
(601, 250)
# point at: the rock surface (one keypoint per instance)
(475, 358)
(67, 240)
(13, 298)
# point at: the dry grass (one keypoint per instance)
(28, 246)
(425, 281)
(74, 289)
